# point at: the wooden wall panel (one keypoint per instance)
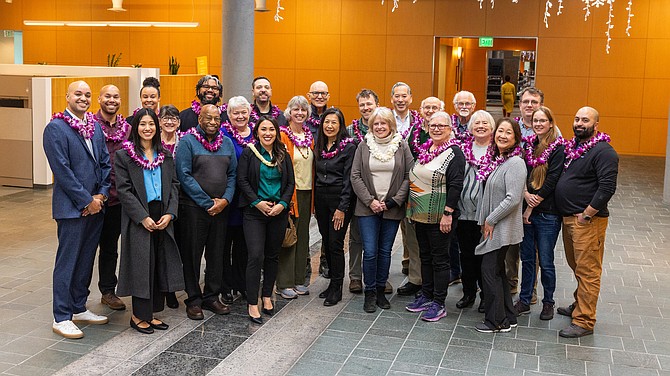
(73, 46)
(655, 101)
(274, 51)
(520, 19)
(625, 133)
(305, 77)
(626, 60)
(352, 82)
(59, 87)
(409, 53)
(564, 99)
(653, 135)
(459, 18)
(363, 17)
(616, 96)
(178, 90)
(371, 54)
(551, 53)
(317, 51)
(418, 21)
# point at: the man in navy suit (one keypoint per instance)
(75, 147)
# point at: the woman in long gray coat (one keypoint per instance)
(499, 214)
(148, 190)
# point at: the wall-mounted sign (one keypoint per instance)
(485, 41)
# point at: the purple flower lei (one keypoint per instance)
(145, 164)
(213, 146)
(86, 130)
(425, 155)
(172, 147)
(416, 138)
(544, 157)
(571, 153)
(466, 147)
(306, 143)
(339, 148)
(196, 107)
(313, 122)
(253, 116)
(355, 125)
(121, 133)
(490, 163)
(416, 121)
(236, 135)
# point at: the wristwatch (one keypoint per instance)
(586, 217)
(448, 213)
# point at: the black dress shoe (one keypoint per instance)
(216, 306)
(466, 301)
(171, 300)
(147, 330)
(408, 289)
(323, 294)
(227, 297)
(256, 320)
(160, 326)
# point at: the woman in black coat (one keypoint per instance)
(265, 181)
(148, 189)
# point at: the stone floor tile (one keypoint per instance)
(314, 367)
(514, 345)
(207, 344)
(597, 369)
(423, 356)
(603, 341)
(503, 371)
(349, 325)
(455, 372)
(167, 362)
(401, 368)
(365, 366)
(627, 371)
(549, 364)
(591, 354)
(50, 358)
(635, 359)
(430, 335)
(26, 370)
(335, 345)
(535, 334)
(502, 359)
(373, 342)
(466, 359)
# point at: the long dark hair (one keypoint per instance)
(517, 136)
(322, 140)
(135, 138)
(278, 147)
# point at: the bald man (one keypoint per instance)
(582, 193)
(318, 96)
(116, 130)
(75, 148)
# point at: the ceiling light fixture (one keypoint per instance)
(111, 23)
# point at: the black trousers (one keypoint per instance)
(326, 200)
(144, 309)
(264, 236)
(498, 305)
(109, 253)
(235, 260)
(434, 246)
(469, 236)
(198, 232)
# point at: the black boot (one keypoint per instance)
(370, 300)
(324, 294)
(334, 295)
(382, 302)
(466, 301)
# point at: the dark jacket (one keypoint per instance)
(248, 175)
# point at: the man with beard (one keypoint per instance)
(75, 148)
(318, 96)
(262, 92)
(582, 193)
(464, 104)
(116, 130)
(411, 262)
(401, 98)
(206, 167)
(208, 90)
(367, 102)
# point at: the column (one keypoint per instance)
(237, 47)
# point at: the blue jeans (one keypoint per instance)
(540, 234)
(377, 235)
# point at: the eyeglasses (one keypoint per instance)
(431, 108)
(540, 121)
(439, 127)
(319, 93)
(464, 104)
(169, 119)
(528, 101)
(207, 87)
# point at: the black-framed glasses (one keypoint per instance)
(170, 119)
(319, 93)
(436, 127)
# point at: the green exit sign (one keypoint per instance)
(8, 33)
(485, 41)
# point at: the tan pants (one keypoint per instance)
(584, 248)
(410, 252)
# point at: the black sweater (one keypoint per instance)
(589, 180)
(546, 191)
(336, 172)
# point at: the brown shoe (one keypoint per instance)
(216, 306)
(388, 289)
(112, 301)
(355, 286)
(194, 312)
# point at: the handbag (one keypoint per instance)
(291, 236)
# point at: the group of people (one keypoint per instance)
(232, 181)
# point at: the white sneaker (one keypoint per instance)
(67, 329)
(88, 317)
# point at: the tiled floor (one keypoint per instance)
(632, 336)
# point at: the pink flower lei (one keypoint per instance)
(571, 153)
(172, 147)
(211, 147)
(121, 132)
(196, 107)
(416, 138)
(529, 150)
(307, 142)
(86, 130)
(140, 161)
(415, 121)
(425, 155)
(340, 147)
(313, 122)
(466, 147)
(236, 135)
(253, 116)
(490, 163)
(355, 125)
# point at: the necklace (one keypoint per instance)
(304, 143)
(210, 146)
(355, 125)
(340, 147)
(491, 164)
(121, 131)
(467, 147)
(415, 121)
(313, 122)
(375, 151)
(572, 153)
(85, 129)
(196, 107)
(142, 162)
(236, 134)
(172, 147)
(425, 155)
(533, 161)
(253, 116)
(260, 157)
(416, 139)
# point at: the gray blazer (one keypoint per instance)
(500, 205)
(364, 187)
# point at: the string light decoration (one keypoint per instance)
(588, 4)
